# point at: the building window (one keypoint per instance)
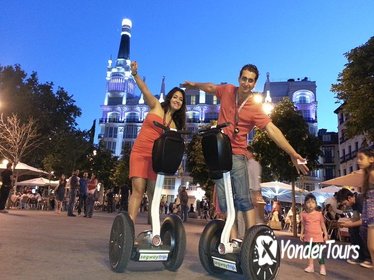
(131, 131)
(328, 154)
(306, 115)
(303, 100)
(341, 118)
(111, 146)
(114, 101)
(132, 117)
(169, 183)
(326, 138)
(329, 173)
(193, 100)
(193, 117)
(215, 100)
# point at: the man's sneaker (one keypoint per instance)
(354, 261)
(367, 264)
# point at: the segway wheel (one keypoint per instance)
(173, 235)
(260, 253)
(208, 245)
(121, 242)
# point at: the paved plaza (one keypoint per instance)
(43, 245)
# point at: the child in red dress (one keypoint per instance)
(313, 229)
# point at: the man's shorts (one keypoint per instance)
(240, 186)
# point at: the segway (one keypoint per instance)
(165, 243)
(257, 256)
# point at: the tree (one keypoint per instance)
(276, 162)
(64, 147)
(197, 167)
(355, 88)
(103, 164)
(27, 97)
(67, 151)
(17, 139)
(121, 171)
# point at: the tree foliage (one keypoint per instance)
(121, 171)
(64, 146)
(103, 164)
(275, 162)
(196, 165)
(355, 88)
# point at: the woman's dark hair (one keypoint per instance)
(369, 152)
(179, 117)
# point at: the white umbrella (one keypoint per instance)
(324, 193)
(281, 191)
(24, 169)
(37, 182)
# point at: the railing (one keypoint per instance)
(110, 120)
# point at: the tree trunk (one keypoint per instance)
(294, 223)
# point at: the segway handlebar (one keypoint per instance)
(166, 128)
(214, 128)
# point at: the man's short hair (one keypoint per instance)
(343, 194)
(250, 68)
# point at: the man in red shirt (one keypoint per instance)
(240, 109)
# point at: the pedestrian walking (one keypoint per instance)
(7, 179)
(74, 184)
(91, 190)
(60, 193)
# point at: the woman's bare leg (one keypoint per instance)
(371, 242)
(138, 188)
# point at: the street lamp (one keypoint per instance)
(267, 106)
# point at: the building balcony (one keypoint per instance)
(349, 156)
(328, 160)
(110, 120)
(342, 159)
(354, 154)
(342, 139)
(310, 120)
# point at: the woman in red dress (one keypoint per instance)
(172, 113)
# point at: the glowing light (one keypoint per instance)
(267, 108)
(199, 193)
(257, 97)
(126, 22)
